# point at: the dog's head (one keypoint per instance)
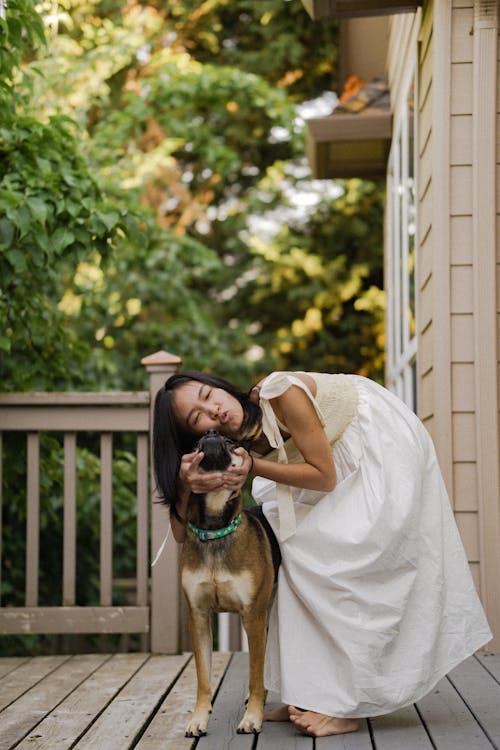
(218, 452)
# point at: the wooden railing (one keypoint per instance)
(157, 606)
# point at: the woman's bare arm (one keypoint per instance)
(295, 410)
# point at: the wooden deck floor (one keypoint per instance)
(122, 701)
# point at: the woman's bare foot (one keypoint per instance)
(277, 714)
(319, 725)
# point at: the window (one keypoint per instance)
(400, 253)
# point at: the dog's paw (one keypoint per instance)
(249, 730)
(192, 731)
(250, 724)
(189, 733)
(197, 727)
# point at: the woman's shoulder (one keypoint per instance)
(329, 391)
(314, 381)
(279, 381)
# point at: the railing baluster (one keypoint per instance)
(142, 520)
(106, 543)
(69, 544)
(33, 519)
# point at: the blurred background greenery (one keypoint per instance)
(155, 194)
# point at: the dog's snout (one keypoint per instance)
(217, 450)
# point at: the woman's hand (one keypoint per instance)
(235, 477)
(191, 479)
(194, 480)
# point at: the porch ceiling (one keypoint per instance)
(354, 140)
(325, 9)
(349, 145)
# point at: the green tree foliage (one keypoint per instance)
(183, 116)
(274, 39)
(52, 215)
(317, 296)
(154, 194)
(20, 32)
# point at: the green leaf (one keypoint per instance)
(23, 221)
(68, 177)
(44, 165)
(5, 344)
(38, 208)
(6, 232)
(16, 260)
(61, 238)
(109, 219)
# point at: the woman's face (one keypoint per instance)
(200, 407)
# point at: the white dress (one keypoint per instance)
(375, 602)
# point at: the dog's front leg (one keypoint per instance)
(255, 626)
(201, 636)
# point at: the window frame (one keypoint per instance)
(401, 249)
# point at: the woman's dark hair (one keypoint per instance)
(171, 440)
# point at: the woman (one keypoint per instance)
(375, 602)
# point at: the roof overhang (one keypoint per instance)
(349, 145)
(325, 9)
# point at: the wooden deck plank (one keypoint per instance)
(491, 662)
(229, 707)
(9, 663)
(449, 722)
(119, 726)
(359, 740)
(168, 726)
(144, 701)
(71, 718)
(481, 692)
(17, 682)
(401, 729)
(20, 717)
(282, 735)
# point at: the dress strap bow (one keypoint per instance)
(274, 385)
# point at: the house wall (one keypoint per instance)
(461, 271)
(474, 301)
(458, 262)
(363, 49)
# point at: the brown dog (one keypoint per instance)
(226, 566)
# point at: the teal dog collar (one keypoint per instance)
(207, 535)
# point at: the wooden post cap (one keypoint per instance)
(159, 359)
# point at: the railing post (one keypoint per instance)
(165, 587)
